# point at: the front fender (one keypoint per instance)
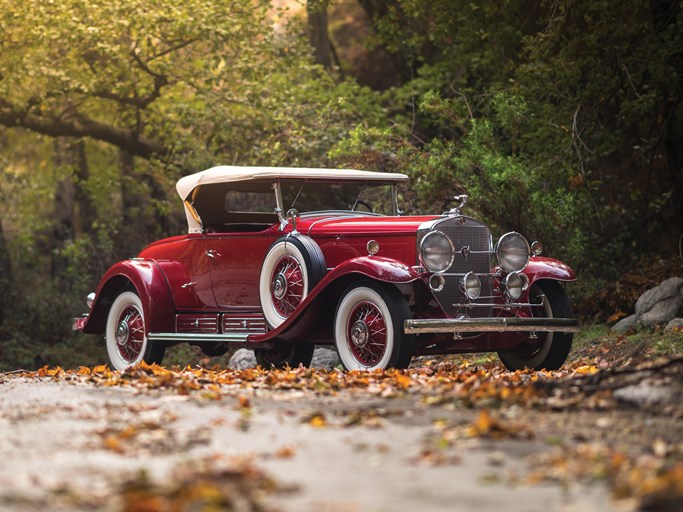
(151, 285)
(382, 269)
(548, 268)
(300, 323)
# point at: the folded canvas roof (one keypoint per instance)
(231, 173)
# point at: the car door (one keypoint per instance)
(187, 270)
(235, 266)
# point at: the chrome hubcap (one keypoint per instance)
(359, 334)
(122, 333)
(279, 285)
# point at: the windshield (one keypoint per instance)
(314, 196)
(251, 204)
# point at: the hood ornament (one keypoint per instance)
(454, 212)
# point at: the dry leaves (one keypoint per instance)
(489, 426)
(210, 484)
(655, 480)
(487, 387)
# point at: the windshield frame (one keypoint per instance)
(280, 207)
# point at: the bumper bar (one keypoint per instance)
(513, 324)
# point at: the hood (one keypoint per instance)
(357, 225)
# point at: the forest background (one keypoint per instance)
(562, 119)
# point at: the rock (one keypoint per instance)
(242, 359)
(644, 393)
(668, 289)
(323, 358)
(674, 325)
(625, 325)
(662, 312)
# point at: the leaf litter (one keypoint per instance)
(651, 477)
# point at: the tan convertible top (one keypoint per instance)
(231, 173)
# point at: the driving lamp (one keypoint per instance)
(471, 285)
(515, 284)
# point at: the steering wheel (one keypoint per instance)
(354, 206)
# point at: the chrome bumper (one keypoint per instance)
(514, 324)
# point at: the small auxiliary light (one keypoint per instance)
(372, 247)
(437, 282)
(536, 248)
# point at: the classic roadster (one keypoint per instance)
(282, 259)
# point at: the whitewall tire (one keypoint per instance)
(126, 334)
(368, 328)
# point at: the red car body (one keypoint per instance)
(346, 278)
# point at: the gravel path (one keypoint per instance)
(70, 446)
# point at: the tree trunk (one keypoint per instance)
(5, 274)
(318, 32)
(64, 208)
(664, 15)
(142, 221)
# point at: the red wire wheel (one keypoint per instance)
(287, 285)
(367, 333)
(130, 334)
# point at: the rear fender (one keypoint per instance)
(147, 279)
(318, 305)
(548, 268)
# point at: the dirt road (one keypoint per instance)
(74, 444)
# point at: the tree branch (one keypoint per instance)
(78, 125)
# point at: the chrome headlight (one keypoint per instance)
(436, 251)
(513, 252)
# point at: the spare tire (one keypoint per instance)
(292, 267)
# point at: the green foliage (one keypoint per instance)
(559, 119)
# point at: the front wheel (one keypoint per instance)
(549, 350)
(126, 337)
(284, 355)
(368, 328)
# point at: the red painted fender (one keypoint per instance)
(374, 267)
(150, 284)
(548, 268)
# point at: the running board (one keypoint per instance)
(230, 337)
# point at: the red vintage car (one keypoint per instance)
(282, 259)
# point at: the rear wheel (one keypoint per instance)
(368, 328)
(285, 355)
(126, 336)
(549, 350)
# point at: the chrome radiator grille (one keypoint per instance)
(473, 250)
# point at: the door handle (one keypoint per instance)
(212, 254)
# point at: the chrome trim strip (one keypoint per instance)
(455, 325)
(507, 305)
(189, 336)
(460, 274)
